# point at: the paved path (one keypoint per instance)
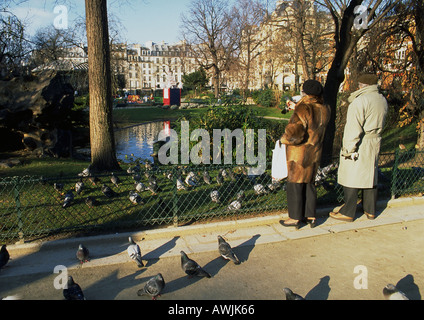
(330, 262)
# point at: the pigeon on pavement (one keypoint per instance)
(390, 292)
(290, 295)
(4, 256)
(153, 287)
(191, 267)
(134, 252)
(82, 254)
(226, 251)
(73, 291)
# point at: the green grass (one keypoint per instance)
(146, 114)
(393, 136)
(46, 167)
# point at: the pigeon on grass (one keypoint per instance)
(69, 197)
(226, 251)
(192, 268)
(134, 252)
(153, 287)
(135, 198)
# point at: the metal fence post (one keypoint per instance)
(18, 212)
(175, 197)
(395, 174)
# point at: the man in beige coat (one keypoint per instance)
(366, 117)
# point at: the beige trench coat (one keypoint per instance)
(366, 117)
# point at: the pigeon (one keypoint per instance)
(91, 202)
(79, 186)
(190, 180)
(86, 172)
(234, 206)
(240, 195)
(226, 251)
(390, 292)
(73, 291)
(115, 180)
(219, 179)
(94, 180)
(180, 185)
(107, 191)
(4, 256)
(140, 187)
(136, 177)
(259, 189)
(215, 196)
(135, 169)
(273, 186)
(69, 196)
(223, 173)
(134, 252)
(207, 177)
(191, 267)
(231, 175)
(58, 186)
(153, 188)
(135, 198)
(290, 295)
(82, 254)
(153, 287)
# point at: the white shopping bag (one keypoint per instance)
(279, 162)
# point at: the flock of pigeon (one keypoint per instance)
(155, 285)
(261, 185)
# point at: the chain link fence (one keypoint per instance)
(32, 207)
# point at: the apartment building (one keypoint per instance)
(152, 65)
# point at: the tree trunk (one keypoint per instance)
(102, 140)
(346, 40)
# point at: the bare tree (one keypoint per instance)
(247, 18)
(103, 151)
(206, 30)
(14, 46)
(350, 25)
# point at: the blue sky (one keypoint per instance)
(144, 20)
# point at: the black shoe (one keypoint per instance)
(295, 225)
(312, 222)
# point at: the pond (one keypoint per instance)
(138, 140)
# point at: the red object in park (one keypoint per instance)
(171, 97)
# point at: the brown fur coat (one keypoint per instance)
(303, 136)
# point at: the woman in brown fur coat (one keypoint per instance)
(304, 135)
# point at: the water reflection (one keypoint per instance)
(138, 140)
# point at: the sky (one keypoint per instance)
(142, 20)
